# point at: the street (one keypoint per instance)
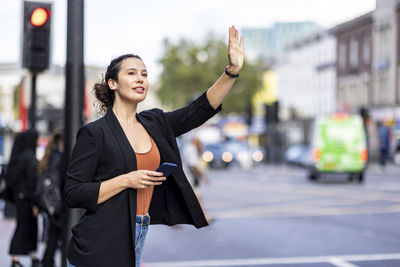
(273, 216)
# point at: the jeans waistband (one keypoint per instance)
(143, 219)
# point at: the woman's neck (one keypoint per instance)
(125, 112)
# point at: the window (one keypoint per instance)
(354, 52)
(384, 48)
(342, 55)
(366, 53)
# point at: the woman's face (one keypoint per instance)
(132, 82)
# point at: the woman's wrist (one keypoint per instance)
(123, 181)
(233, 69)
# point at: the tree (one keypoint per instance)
(189, 69)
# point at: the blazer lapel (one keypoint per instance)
(130, 163)
(122, 140)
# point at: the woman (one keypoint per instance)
(21, 176)
(111, 172)
(52, 163)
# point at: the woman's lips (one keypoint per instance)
(138, 89)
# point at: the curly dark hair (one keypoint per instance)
(102, 91)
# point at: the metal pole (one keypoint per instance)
(32, 107)
(74, 75)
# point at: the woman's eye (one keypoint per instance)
(144, 74)
(130, 73)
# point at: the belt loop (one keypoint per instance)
(142, 219)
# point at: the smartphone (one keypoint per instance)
(167, 168)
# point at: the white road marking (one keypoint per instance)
(340, 263)
(334, 259)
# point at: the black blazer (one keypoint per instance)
(105, 234)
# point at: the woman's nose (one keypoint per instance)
(139, 78)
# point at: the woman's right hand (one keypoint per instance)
(143, 179)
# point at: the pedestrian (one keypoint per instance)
(111, 171)
(21, 176)
(191, 153)
(384, 144)
(53, 164)
(191, 158)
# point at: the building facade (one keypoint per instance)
(386, 53)
(353, 64)
(398, 55)
(368, 70)
(306, 78)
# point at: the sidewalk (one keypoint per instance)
(7, 227)
(390, 169)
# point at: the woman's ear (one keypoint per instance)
(112, 84)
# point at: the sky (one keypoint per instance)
(115, 27)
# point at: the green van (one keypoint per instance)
(339, 145)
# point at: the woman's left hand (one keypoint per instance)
(235, 51)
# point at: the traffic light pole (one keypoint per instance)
(36, 21)
(32, 107)
(74, 75)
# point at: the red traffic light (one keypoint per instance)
(39, 16)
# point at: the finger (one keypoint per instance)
(146, 183)
(154, 173)
(141, 186)
(150, 183)
(230, 36)
(157, 179)
(233, 32)
(241, 42)
(154, 178)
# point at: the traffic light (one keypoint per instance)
(272, 113)
(36, 36)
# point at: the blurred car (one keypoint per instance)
(216, 156)
(339, 146)
(298, 155)
(224, 154)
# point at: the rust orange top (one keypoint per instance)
(146, 161)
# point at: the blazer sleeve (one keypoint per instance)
(191, 116)
(81, 191)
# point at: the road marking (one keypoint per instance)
(341, 263)
(335, 259)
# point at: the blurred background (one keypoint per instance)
(317, 100)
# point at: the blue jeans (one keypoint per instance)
(142, 226)
(70, 264)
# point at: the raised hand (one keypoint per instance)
(235, 51)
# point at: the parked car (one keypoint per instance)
(298, 155)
